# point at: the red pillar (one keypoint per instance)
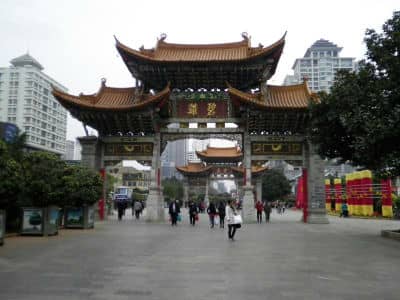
(305, 195)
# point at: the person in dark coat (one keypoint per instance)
(121, 208)
(192, 212)
(221, 212)
(267, 210)
(174, 210)
(212, 211)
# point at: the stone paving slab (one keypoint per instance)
(129, 259)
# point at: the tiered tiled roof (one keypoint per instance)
(276, 97)
(195, 169)
(255, 170)
(172, 52)
(110, 98)
(202, 66)
(228, 154)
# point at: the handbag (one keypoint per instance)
(196, 217)
(237, 219)
(179, 218)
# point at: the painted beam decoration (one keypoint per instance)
(261, 148)
(129, 149)
(202, 109)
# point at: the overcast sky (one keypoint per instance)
(74, 41)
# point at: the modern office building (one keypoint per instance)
(175, 154)
(319, 66)
(69, 150)
(26, 101)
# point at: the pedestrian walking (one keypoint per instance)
(212, 211)
(174, 210)
(193, 211)
(267, 210)
(259, 208)
(120, 208)
(221, 213)
(345, 210)
(231, 212)
(137, 207)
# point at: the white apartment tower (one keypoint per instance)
(26, 100)
(319, 66)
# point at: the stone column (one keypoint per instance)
(259, 188)
(155, 199)
(206, 198)
(186, 190)
(315, 186)
(248, 211)
(92, 158)
(91, 152)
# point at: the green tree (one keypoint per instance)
(81, 186)
(10, 177)
(172, 188)
(275, 185)
(359, 121)
(41, 179)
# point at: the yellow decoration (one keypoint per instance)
(192, 109)
(276, 147)
(211, 109)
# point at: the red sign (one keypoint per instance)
(202, 109)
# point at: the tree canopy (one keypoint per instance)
(172, 188)
(275, 185)
(359, 121)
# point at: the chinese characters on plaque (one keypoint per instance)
(261, 148)
(202, 109)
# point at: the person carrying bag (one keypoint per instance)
(233, 219)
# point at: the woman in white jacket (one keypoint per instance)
(230, 212)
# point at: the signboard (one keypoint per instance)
(132, 176)
(202, 109)
(262, 148)
(74, 217)
(32, 221)
(128, 149)
(8, 131)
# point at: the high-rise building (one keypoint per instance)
(26, 101)
(69, 150)
(174, 155)
(319, 66)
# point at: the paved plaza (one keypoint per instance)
(285, 259)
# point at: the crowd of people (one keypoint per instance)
(218, 214)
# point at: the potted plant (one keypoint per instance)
(82, 188)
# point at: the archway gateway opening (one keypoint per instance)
(201, 84)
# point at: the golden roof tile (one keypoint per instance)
(170, 52)
(110, 98)
(214, 152)
(278, 97)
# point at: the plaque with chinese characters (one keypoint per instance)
(202, 109)
(129, 149)
(261, 148)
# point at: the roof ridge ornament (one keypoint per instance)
(247, 38)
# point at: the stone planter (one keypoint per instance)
(2, 226)
(79, 217)
(392, 234)
(40, 221)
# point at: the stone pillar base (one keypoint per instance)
(248, 211)
(317, 216)
(154, 205)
